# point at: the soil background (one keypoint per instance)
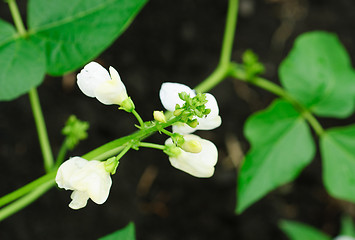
(175, 41)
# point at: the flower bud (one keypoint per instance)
(159, 116)
(193, 123)
(111, 165)
(172, 151)
(192, 146)
(127, 105)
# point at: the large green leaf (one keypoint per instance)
(299, 231)
(338, 153)
(22, 63)
(281, 146)
(74, 32)
(127, 233)
(318, 73)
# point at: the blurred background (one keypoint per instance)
(173, 41)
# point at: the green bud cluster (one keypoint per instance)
(74, 130)
(193, 107)
(252, 65)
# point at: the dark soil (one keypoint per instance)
(176, 41)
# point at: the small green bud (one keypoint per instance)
(178, 112)
(159, 116)
(178, 139)
(192, 146)
(172, 151)
(192, 123)
(127, 105)
(111, 165)
(74, 130)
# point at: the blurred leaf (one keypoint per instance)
(347, 227)
(338, 152)
(22, 63)
(318, 73)
(281, 146)
(127, 233)
(299, 231)
(74, 32)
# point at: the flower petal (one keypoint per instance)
(67, 170)
(197, 164)
(79, 200)
(213, 105)
(111, 92)
(169, 94)
(91, 77)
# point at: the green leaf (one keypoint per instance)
(347, 227)
(299, 231)
(22, 63)
(127, 233)
(318, 73)
(281, 146)
(337, 147)
(74, 32)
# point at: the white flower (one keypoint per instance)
(197, 164)
(87, 179)
(344, 238)
(169, 97)
(95, 81)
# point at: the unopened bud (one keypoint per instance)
(111, 165)
(178, 112)
(159, 116)
(192, 146)
(127, 105)
(193, 123)
(172, 151)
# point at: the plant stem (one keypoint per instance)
(238, 73)
(17, 17)
(166, 132)
(151, 145)
(26, 189)
(41, 130)
(221, 70)
(135, 113)
(61, 154)
(26, 200)
(123, 152)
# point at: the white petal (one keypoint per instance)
(79, 200)
(212, 104)
(183, 128)
(88, 179)
(169, 94)
(91, 77)
(111, 92)
(67, 170)
(204, 124)
(209, 123)
(197, 164)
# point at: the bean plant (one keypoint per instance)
(317, 80)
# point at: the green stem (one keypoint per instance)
(26, 200)
(166, 132)
(221, 71)
(61, 154)
(123, 152)
(26, 189)
(41, 130)
(151, 145)
(135, 113)
(238, 73)
(17, 17)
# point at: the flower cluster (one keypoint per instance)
(187, 152)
